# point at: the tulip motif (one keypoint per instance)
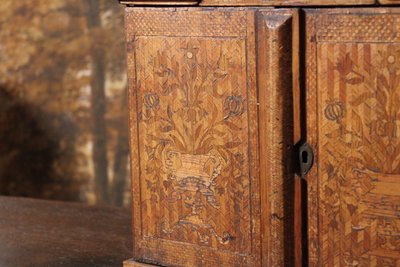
(233, 106)
(151, 101)
(334, 111)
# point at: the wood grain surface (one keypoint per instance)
(389, 2)
(353, 122)
(212, 177)
(132, 263)
(38, 233)
(254, 2)
(277, 51)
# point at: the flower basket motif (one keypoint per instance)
(194, 176)
(194, 173)
(193, 112)
(361, 148)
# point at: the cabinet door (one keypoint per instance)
(209, 184)
(353, 123)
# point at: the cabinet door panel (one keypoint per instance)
(197, 174)
(353, 122)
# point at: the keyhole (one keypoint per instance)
(304, 156)
(305, 159)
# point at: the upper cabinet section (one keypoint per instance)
(256, 2)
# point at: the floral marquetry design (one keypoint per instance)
(192, 97)
(359, 154)
(151, 101)
(233, 106)
(334, 110)
(210, 94)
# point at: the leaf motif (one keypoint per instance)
(220, 190)
(356, 123)
(178, 144)
(166, 184)
(369, 161)
(232, 144)
(330, 170)
(217, 132)
(194, 73)
(149, 184)
(396, 102)
(150, 152)
(214, 114)
(219, 74)
(382, 82)
(356, 80)
(154, 199)
(205, 145)
(165, 89)
(345, 65)
(185, 77)
(166, 128)
(198, 130)
(186, 128)
(175, 67)
(361, 99)
(226, 112)
(334, 224)
(232, 126)
(381, 97)
(169, 112)
(150, 168)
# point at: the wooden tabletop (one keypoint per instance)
(46, 233)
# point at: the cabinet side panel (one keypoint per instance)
(133, 133)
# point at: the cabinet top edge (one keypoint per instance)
(254, 3)
(374, 10)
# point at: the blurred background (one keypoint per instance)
(63, 106)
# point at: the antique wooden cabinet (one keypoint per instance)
(229, 99)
